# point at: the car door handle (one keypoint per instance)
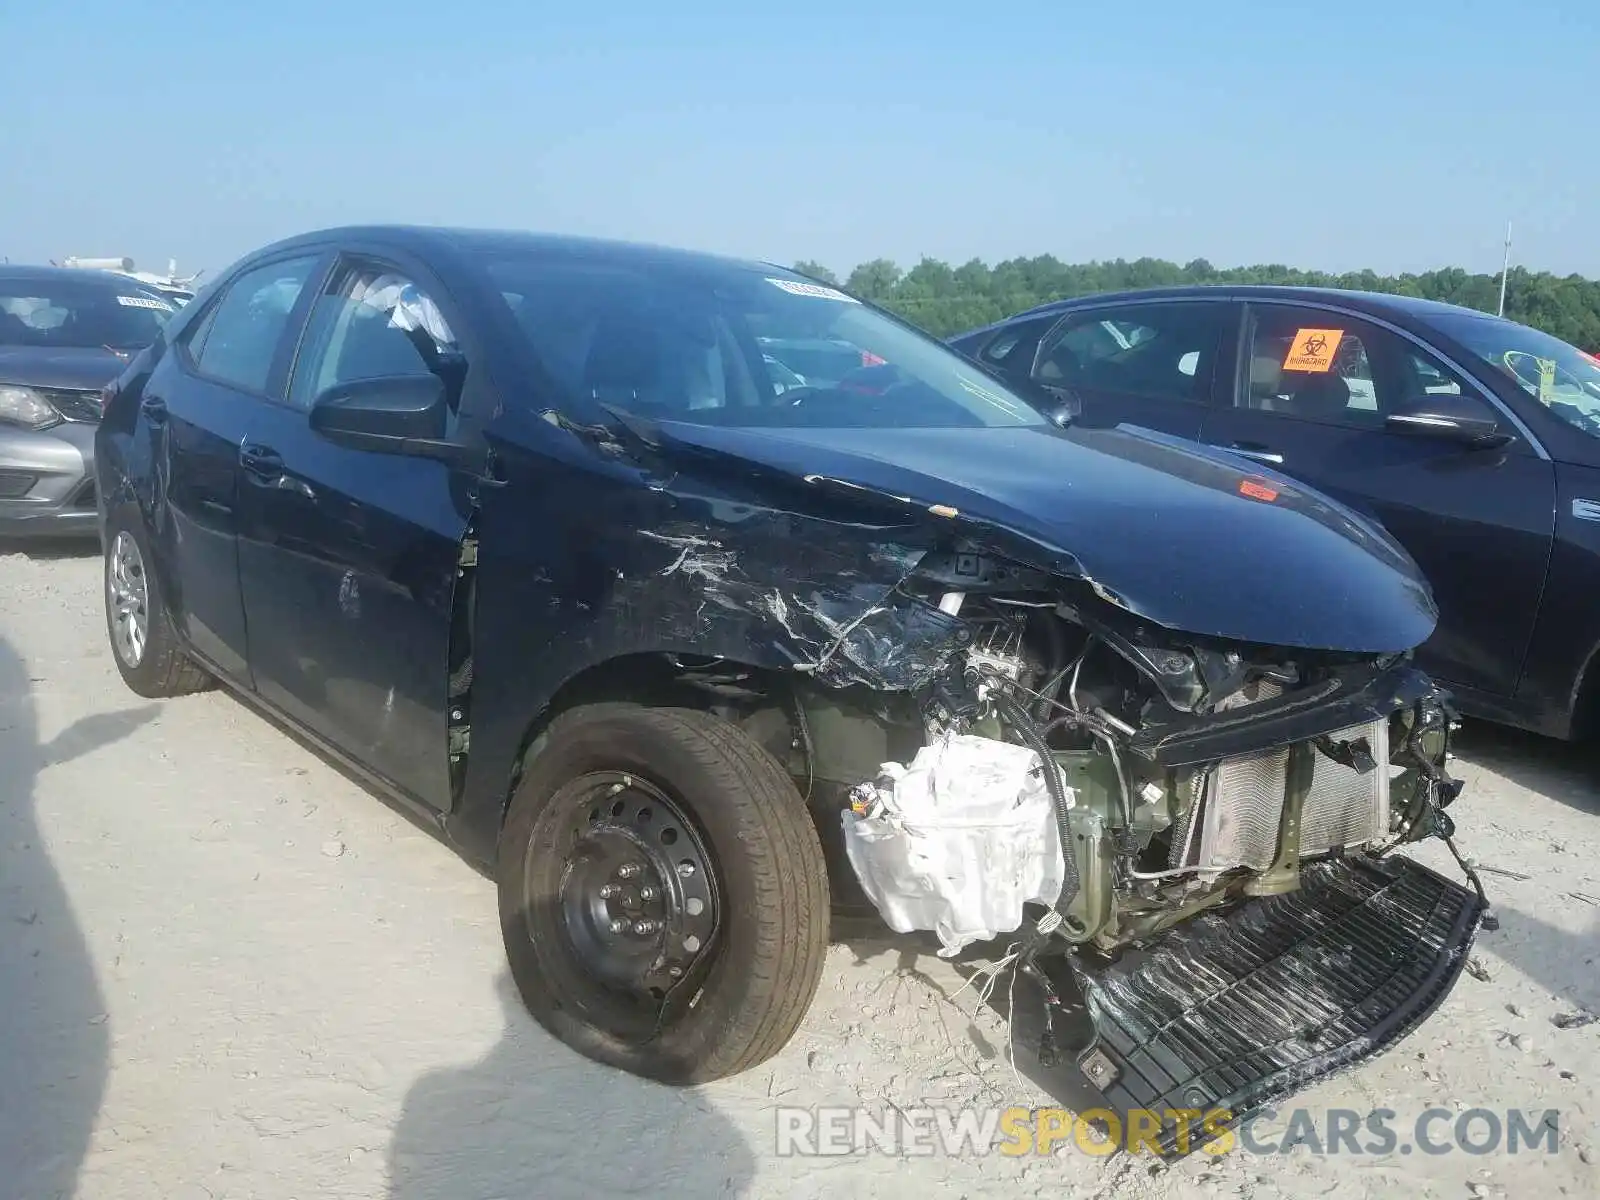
(262, 462)
(1256, 451)
(154, 409)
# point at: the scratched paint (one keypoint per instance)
(849, 624)
(350, 596)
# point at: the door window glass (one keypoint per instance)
(241, 334)
(1014, 346)
(372, 323)
(1158, 351)
(1333, 369)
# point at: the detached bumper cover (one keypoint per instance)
(1236, 1010)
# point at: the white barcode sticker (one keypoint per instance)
(144, 302)
(798, 287)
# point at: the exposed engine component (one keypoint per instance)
(1240, 802)
(958, 841)
(1152, 844)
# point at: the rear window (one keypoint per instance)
(78, 313)
(729, 345)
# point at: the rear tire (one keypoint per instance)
(146, 649)
(741, 815)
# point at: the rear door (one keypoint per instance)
(1313, 389)
(195, 409)
(348, 559)
(1152, 363)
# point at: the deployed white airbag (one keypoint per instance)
(958, 841)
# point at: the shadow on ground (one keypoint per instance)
(532, 1118)
(907, 955)
(54, 1029)
(1566, 772)
(1564, 963)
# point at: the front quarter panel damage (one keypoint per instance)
(823, 607)
(583, 563)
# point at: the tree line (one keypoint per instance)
(944, 300)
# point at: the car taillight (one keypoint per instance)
(869, 359)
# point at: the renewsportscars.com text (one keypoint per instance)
(830, 1132)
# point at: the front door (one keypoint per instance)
(348, 559)
(1312, 395)
(1151, 364)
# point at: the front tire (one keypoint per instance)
(663, 898)
(143, 643)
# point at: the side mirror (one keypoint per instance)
(1432, 419)
(1064, 406)
(396, 414)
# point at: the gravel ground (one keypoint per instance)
(226, 970)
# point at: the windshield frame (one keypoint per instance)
(938, 386)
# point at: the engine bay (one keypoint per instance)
(1190, 772)
(1158, 830)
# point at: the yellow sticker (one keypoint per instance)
(1547, 378)
(1313, 350)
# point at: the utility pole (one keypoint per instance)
(1505, 268)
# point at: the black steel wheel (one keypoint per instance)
(662, 893)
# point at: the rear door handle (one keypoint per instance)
(1256, 451)
(263, 462)
(154, 409)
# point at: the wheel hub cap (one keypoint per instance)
(127, 599)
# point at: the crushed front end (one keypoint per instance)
(1228, 899)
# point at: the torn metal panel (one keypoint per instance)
(831, 612)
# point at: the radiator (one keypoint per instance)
(1240, 803)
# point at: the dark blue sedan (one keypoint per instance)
(629, 569)
(1474, 440)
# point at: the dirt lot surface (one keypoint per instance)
(226, 970)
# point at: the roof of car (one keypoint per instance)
(1378, 303)
(11, 273)
(472, 241)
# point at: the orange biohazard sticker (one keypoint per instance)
(1313, 350)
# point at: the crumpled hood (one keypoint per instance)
(68, 367)
(1191, 538)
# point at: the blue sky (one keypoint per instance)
(1398, 135)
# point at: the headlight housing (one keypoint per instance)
(26, 407)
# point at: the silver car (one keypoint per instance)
(64, 335)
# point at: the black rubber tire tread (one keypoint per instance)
(166, 669)
(771, 871)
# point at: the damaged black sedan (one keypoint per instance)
(545, 539)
